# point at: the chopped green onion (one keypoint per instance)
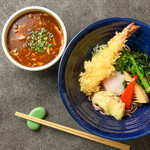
(25, 45)
(45, 38)
(44, 48)
(39, 40)
(49, 45)
(29, 30)
(44, 30)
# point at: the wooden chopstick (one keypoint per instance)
(75, 132)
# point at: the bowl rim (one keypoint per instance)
(62, 68)
(20, 12)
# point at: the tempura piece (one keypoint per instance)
(110, 104)
(101, 67)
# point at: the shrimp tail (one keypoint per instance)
(130, 29)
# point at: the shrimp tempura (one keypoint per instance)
(101, 67)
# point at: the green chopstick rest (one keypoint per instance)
(38, 112)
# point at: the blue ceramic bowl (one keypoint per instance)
(77, 104)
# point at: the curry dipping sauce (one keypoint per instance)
(34, 39)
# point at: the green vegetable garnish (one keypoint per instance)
(39, 40)
(135, 63)
(125, 84)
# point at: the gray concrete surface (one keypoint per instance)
(23, 90)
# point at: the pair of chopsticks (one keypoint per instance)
(75, 132)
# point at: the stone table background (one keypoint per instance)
(23, 90)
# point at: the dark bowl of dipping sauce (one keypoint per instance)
(34, 38)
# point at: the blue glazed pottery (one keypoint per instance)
(77, 104)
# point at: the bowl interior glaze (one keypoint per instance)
(77, 104)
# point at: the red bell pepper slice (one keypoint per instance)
(126, 97)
